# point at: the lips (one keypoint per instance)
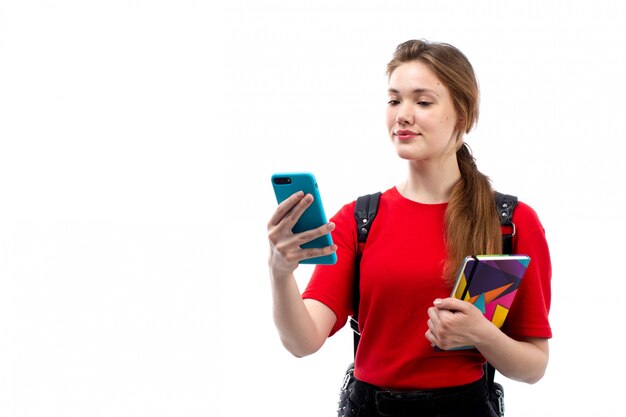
(405, 134)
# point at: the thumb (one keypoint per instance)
(449, 304)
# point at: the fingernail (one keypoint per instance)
(308, 198)
(330, 226)
(438, 302)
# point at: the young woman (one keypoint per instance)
(443, 211)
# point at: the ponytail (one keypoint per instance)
(472, 224)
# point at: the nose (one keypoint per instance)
(404, 115)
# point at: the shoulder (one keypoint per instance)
(522, 212)
(346, 214)
(525, 215)
(528, 226)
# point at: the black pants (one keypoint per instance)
(464, 401)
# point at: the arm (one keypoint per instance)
(303, 325)
(455, 323)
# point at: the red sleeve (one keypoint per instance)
(528, 316)
(332, 284)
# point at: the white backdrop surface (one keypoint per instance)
(137, 139)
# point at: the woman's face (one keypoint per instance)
(421, 118)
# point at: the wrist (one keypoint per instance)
(280, 276)
(487, 336)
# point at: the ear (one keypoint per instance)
(459, 141)
(460, 125)
(460, 133)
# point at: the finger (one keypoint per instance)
(291, 246)
(431, 337)
(285, 207)
(431, 326)
(309, 235)
(316, 252)
(290, 218)
(433, 314)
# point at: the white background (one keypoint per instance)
(137, 139)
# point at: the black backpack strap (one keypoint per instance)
(505, 204)
(364, 213)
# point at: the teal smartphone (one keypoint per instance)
(288, 183)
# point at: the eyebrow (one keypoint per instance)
(415, 91)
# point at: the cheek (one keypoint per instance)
(447, 123)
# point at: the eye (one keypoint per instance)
(424, 103)
(393, 102)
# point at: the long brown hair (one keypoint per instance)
(472, 224)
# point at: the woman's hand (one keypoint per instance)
(454, 323)
(285, 250)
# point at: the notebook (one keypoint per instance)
(490, 282)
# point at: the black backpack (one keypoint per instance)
(365, 213)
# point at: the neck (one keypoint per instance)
(431, 182)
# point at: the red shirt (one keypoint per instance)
(401, 276)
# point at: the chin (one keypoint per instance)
(408, 154)
(402, 155)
